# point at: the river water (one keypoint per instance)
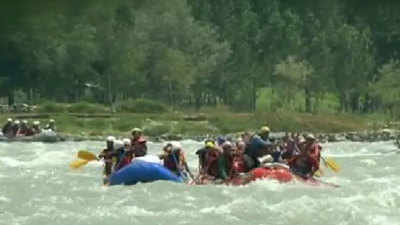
(38, 188)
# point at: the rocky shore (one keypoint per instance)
(363, 136)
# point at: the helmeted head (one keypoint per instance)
(126, 142)
(9, 120)
(118, 144)
(209, 144)
(36, 123)
(176, 145)
(17, 122)
(310, 137)
(25, 122)
(110, 142)
(167, 148)
(51, 121)
(264, 130)
(221, 140)
(227, 147)
(136, 132)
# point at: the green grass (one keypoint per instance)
(218, 121)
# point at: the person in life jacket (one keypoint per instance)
(240, 160)
(307, 162)
(174, 158)
(23, 129)
(138, 143)
(211, 163)
(290, 146)
(51, 125)
(118, 153)
(225, 162)
(7, 128)
(15, 128)
(107, 155)
(256, 148)
(36, 128)
(127, 155)
(201, 153)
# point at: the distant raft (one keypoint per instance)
(143, 169)
(45, 136)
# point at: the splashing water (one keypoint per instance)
(38, 188)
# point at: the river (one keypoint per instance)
(38, 188)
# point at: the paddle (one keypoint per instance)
(83, 158)
(188, 170)
(78, 163)
(86, 155)
(330, 163)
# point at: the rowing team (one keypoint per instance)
(221, 160)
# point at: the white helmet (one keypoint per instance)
(9, 120)
(118, 144)
(176, 144)
(126, 141)
(110, 139)
(17, 122)
(25, 121)
(36, 123)
(52, 121)
(227, 144)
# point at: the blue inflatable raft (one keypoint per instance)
(142, 171)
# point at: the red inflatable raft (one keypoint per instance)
(278, 173)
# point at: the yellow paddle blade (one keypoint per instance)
(87, 155)
(332, 164)
(319, 173)
(78, 163)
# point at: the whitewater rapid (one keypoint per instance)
(38, 188)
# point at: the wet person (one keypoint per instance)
(138, 143)
(36, 128)
(256, 148)
(15, 128)
(127, 156)
(201, 153)
(24, 129)
(51, 126)
(225, 162)
(174, 159)
(239, 164)
(211, 157)
(107, 155)
(307, 162)
(7, 128)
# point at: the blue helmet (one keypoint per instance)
(221, 140)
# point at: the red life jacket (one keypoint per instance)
(171, 161)
(311, 156)
(239, 165)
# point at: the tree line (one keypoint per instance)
(190, 53)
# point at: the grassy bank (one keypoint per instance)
(193, 124)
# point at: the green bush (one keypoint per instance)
(142, 106)
(85, 107)
(52, 107)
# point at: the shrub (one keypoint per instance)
(142, 106)
(52, 107)
(85, 107)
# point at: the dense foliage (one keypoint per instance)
(203, 53)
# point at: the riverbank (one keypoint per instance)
(180, 125)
